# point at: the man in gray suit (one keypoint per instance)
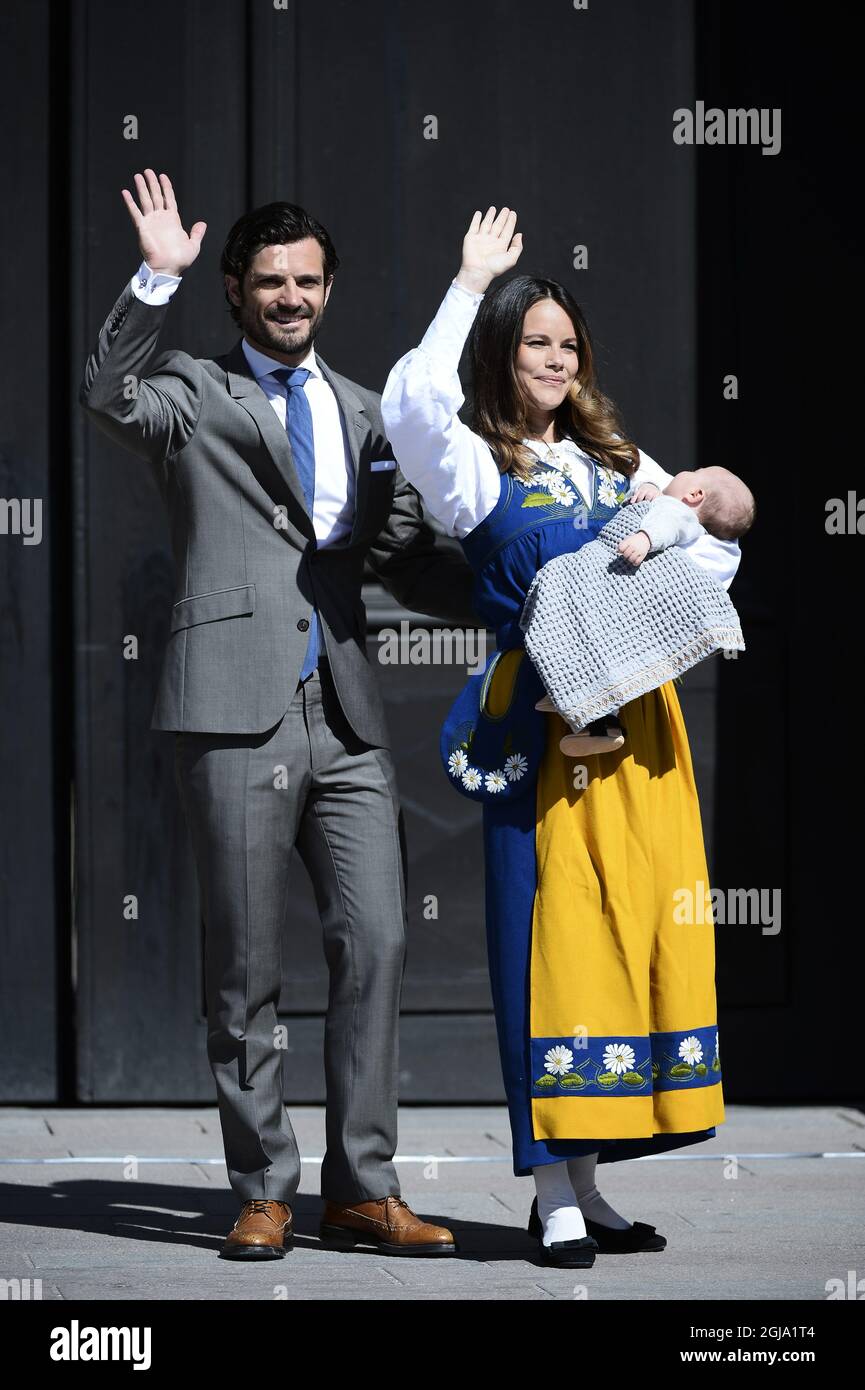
(279, 482)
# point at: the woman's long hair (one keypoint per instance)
(498, 406)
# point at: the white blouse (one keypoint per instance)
(454, 469)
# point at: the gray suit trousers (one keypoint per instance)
(309, 782)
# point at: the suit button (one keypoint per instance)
(302, 624)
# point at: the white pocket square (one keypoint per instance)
(379, 465)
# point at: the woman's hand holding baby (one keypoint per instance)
(636, 547)
(644, 493)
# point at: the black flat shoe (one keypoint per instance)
(609, 1241)
(635, 1238)
(564, 1254)
(569, 1254)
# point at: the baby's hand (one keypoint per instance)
(635, 548)
(644, 493)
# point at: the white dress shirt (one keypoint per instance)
(454, 469)
(334, 498)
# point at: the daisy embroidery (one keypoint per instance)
(471, 778)
(548, 478)
(495, 782)
(457, 763)
(690, 1050)
(562, 493)
(515, 767)
(619, 1057)
(607, 492)
(559, 1060)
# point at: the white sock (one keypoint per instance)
(560, 1214)
(581, 1172)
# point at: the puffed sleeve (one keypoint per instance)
(452, 467)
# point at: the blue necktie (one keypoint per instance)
(298, 425)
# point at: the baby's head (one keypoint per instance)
(723, 503)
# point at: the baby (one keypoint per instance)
(598, 639)
(708, 499)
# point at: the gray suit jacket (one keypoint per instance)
(248, 567)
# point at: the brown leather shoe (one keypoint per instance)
(389, 1223)
(262, 1231)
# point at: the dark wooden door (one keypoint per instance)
(391, 123)
(331, 106)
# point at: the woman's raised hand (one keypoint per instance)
(490, 247)
(162, 241)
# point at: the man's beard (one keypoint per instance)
(268, 333)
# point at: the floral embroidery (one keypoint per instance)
(547, 477)
(515, 767)
(591, 1074)
(562, 493)
(557, 487)
(608, 492)
(474, 779)
(559, 1060)
(619, 1057)
(552, 483)
(529, 503)
(690, 1049)
(614, 1067)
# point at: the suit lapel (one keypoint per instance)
(280, 479)
(285, 480)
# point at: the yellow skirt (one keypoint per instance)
(623, 1018)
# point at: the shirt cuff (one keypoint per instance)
(474, 295)
(445, 338)
(152, 287)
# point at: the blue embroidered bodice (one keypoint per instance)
(531, 523)
(495, 757)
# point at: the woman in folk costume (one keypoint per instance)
(604, 998)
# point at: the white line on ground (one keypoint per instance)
(439, 1158)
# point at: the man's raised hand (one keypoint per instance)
(163, 243)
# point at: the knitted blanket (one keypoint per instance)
(601, 632)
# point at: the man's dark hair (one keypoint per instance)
(274, 224)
